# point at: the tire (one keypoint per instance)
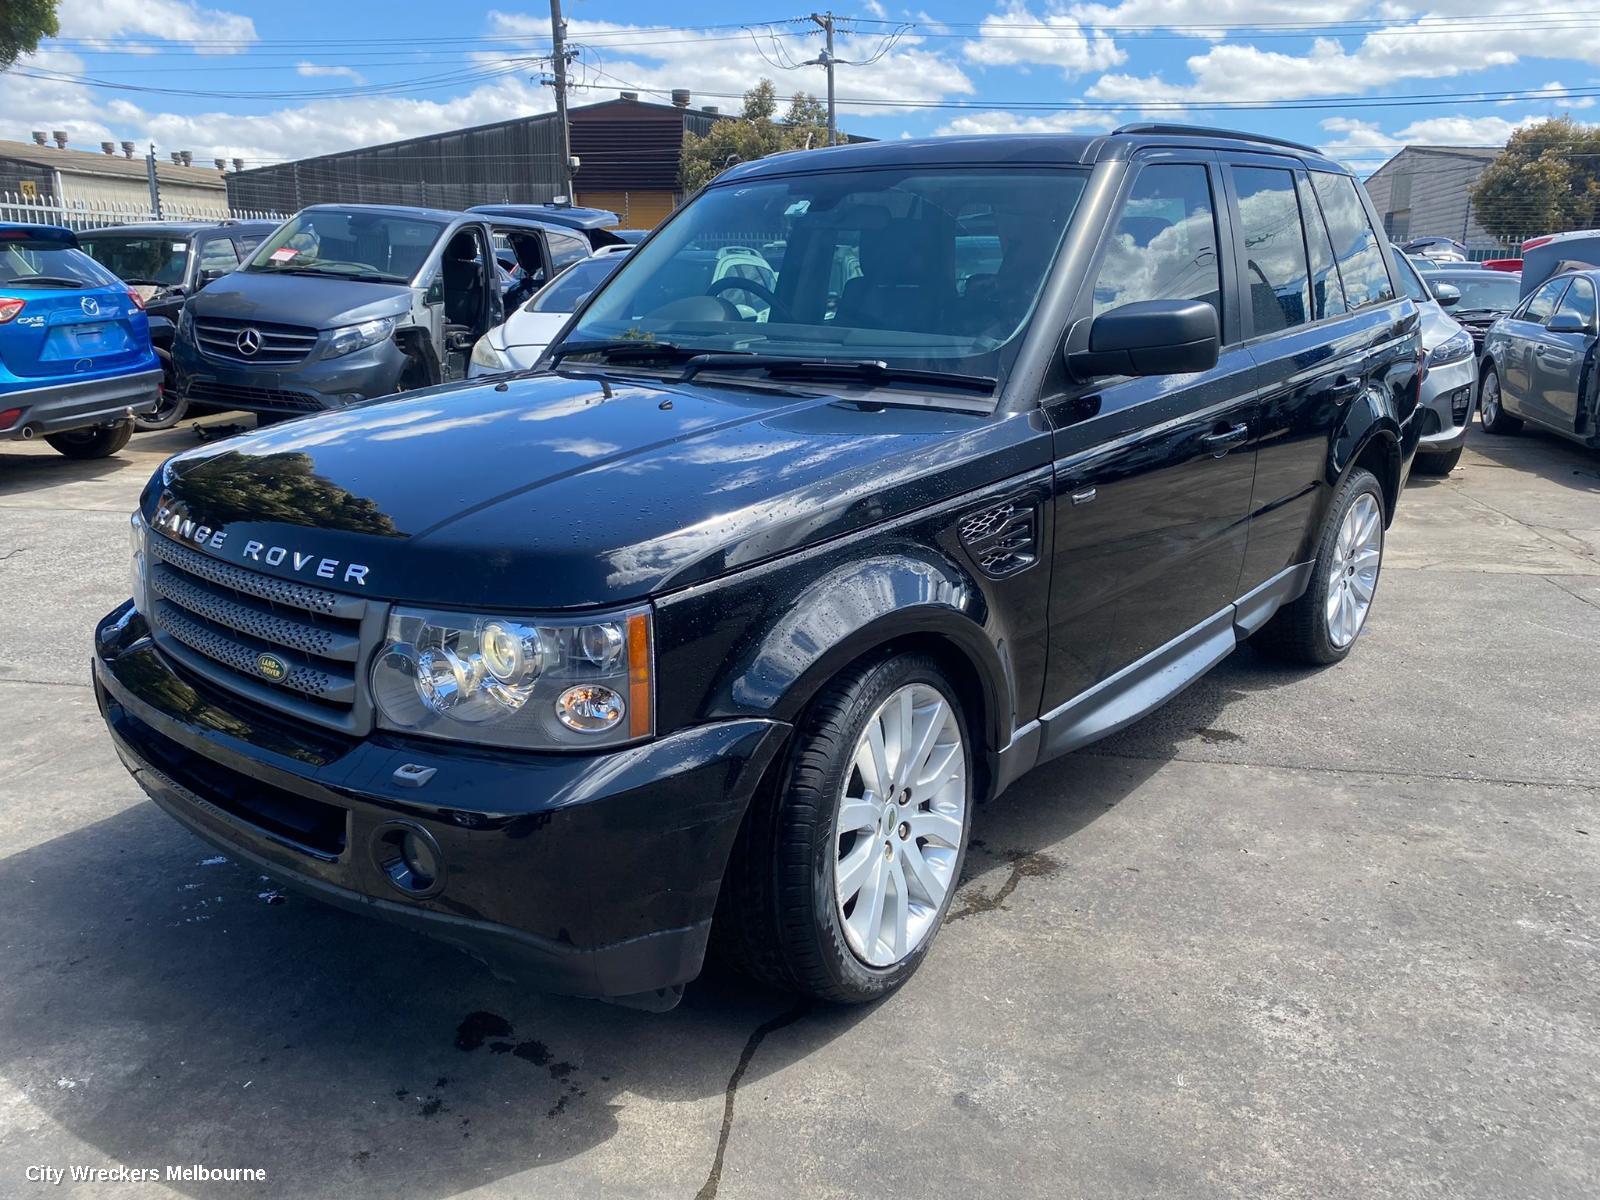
(1436, 464)
(172, 407)
(100, 441)
(779, 918)
(1490, 408)
(1305, 631)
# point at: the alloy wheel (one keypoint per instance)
(1489, 403)
(1353, 570)
(900, 820)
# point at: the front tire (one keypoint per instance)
(102, 441)
(1322, 625)
(1491, 407)
(172, 406)
(840, 880)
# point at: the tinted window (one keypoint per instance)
(1579, 302)
(564, 248)
(218, 255)
(1275, 269)
(1543, 302)
(1355, 246)
(1327, 293)
(1164, 246)
(1410, 284)
(48, 264)
(571, 288)
(1491, 291)
(152, 259)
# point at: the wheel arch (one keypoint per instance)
(1369, 437)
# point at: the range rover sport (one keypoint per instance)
(714, 628)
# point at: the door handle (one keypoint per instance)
(1540, 350)
(1221, 442)
(1344, 388)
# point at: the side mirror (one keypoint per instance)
(1150, 337)
(207, 277)
(1447, 294)
(1567, 322)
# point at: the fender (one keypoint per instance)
(858, 607)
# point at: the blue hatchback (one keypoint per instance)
(75, 357)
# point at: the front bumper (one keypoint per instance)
(1448, 394)
(82, 403)
(592, 875)
(313, 385)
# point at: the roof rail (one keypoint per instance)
(1175, 130)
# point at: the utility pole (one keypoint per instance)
(826, 60)
(155, 184)
(558, 46)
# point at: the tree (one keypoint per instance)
(22, 24)
(1546, 180)
(752, 134)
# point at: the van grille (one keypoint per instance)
(278, 344)
(284, 644)
(251, 399)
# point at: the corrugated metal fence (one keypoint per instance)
(81, 215)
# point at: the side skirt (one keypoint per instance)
(1144, 686)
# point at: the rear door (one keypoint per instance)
(1321, 322)
(68, 315)
(1153, 474)
(1562, 360)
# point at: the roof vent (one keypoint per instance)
(710, 109)
(221, 163)
(39, 138)
(127, 149)
(177, 158)
(238, 164)
(108, 148)
(187, 156)
(60, 136)
(680, 97)
(624, 95)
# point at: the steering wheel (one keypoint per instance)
(732, 283)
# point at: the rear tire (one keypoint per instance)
(172, 406)
(1306, 631)
(805, 841)
(1491, 409)
(101, 441)
(1436, 464)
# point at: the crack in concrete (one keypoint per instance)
(708, 1190)
(1578, 596)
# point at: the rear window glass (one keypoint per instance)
(43, 264)
(1355, 246)
(1275, 270)
(1327, 293)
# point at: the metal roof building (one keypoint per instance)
(1423, 192)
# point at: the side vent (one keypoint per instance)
(1004, 538)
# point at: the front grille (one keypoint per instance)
(284, 644)
(253, 399)
(276, 345)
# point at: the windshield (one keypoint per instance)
(49, 264)
(573, 286)
(145, 258)
(1497, 291)
(922, 268)
(350, 244)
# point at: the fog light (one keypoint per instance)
(589, 708)
(410, 859)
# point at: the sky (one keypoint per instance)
(268, 82)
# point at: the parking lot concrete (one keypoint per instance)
(1330, 933)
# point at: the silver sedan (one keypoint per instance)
(1539, 361)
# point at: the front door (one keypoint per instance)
(1559, 359)
(1525, 327)
(1153, 474)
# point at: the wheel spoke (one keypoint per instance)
(925, 744)
(936, 827)
(905, 721)
(858, 814)
(1363, 585)
(920, 871)
(901, 910)
(867, 917)
(940, 768)
(854, 869)
(1366, 559)
(869, 760)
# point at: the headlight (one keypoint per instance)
(139, 575)
(1453, 349)
(536, 683)
(349, 338)
(485, 355)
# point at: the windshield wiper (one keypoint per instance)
(624, 350)
(869, 370)
(364, 276)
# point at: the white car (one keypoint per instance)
(517, 344)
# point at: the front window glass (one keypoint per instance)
(1165, 244)
(48, 264)
(1275, 270)
(1355, 246)
(1579, 302)
(573, 286)
(154, 260)
(350, 243)
(1484, 291)
(1544, 302)
(920, 268)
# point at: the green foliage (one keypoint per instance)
(22, 24)
(753, 134)
(1547, 180)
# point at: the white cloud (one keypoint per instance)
(1225, 12)
(103, 21)
(1014, 37)
(1558, 98)
(330, 71)
(1367, 143)
(1000, 121)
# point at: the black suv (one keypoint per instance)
(166, 262)
(717, 629)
